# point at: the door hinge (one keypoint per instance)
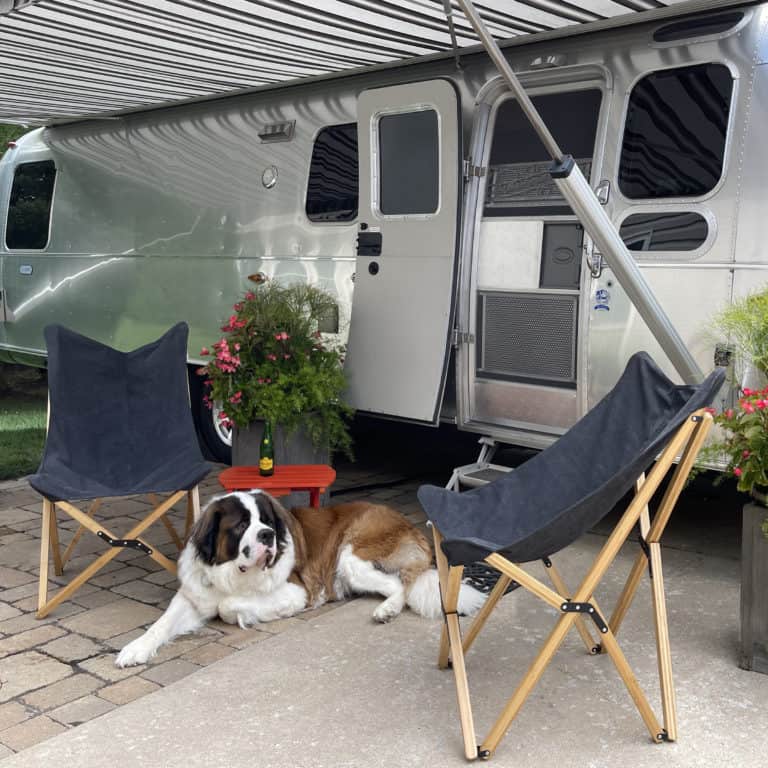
(462, 337)
(470, 170)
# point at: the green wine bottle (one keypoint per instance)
(267, 452)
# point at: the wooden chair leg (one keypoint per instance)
(668, 703)
(532, 676)
(58, 564)
(193, 509)
(450, 643)
(45, 542)
(581, 624)
(482, 616)
(457, 662)
(92, 509)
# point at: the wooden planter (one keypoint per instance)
(753, 653)
(294, 449)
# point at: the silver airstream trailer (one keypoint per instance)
(419, 194)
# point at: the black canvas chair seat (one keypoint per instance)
(559, 494)
(646, 423)
(119, 424)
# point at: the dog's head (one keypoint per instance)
(246, 528)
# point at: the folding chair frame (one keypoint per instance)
(686, 443)
(50, 541)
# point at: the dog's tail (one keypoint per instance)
(424, 597)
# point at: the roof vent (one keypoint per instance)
(697, 26)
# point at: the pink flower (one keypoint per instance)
(746, 454)
(236, 398)
(760, 404)
(261, 381)
(237, 307)
(286, 357)
(748, 408)
(205, 351)
(285, 336)
(729, 413)
(737, 471)
(747, 391)
(270, 356)
(237, 347)
(250, 296)
(710, 410)
(222, 416)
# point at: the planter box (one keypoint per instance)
(753, 653)
(294, 449)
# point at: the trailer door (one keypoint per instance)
(409, 142)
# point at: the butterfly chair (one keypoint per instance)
(119, 424)
(552, 499)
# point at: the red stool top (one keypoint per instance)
(286, 478)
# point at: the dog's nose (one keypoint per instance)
(265, 537)
(246, 551)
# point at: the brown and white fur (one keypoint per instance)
(249, 560)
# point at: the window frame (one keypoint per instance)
(678, 256)
(729, 138)
(375, 151)
(331, 222)
(54, 187)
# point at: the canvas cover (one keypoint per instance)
(120, 422)
(555, 497)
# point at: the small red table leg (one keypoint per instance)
(314, 497)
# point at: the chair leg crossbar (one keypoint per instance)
(581, 605)
(132, 540)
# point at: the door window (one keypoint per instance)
(519, 183)
(409, 163)
(29, 209)
(674, 138)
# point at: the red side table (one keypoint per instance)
(315, 478)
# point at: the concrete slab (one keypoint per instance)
(338, 690)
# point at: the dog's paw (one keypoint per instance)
(386, 611)
(134, 653)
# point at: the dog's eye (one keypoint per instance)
(241, 526)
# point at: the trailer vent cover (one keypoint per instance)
(528, 336)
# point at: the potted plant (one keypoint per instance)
(275, 364)
(744, 447)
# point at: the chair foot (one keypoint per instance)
(483, 754)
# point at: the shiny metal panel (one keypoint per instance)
(402, 308)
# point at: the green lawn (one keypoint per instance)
(22, 434)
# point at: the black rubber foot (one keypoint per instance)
(483, 754)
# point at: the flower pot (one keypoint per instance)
(753, 653)
(296, 448)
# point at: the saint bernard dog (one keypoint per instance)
(249, 560)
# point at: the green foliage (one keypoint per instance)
(22, 435)
(9, 133)
(273, 363)
(745, 325)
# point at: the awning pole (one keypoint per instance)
(580, 196)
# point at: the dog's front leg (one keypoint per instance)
(180, 617)
(285, 601)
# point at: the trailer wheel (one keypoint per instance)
(215, 440)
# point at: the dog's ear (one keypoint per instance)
(285, 524)
(205, 534)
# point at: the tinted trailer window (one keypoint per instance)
(674, 138)
(29, 209)
(332, 187)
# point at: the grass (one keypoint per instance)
(22, 434)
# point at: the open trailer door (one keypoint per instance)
(409, 142)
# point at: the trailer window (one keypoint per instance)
(29, 209)
(332, 187)
(674, 138)
(409, 163)
(664, 231)
(519, 183)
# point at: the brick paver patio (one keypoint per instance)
(58, 672)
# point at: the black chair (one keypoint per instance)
(119, 424)
(552, 499)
